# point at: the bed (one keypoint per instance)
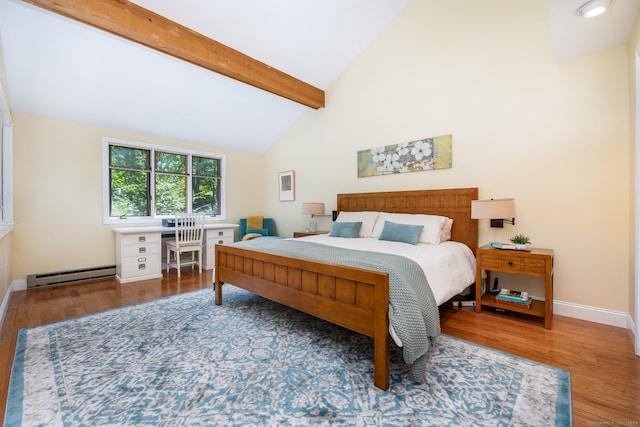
(352, 297)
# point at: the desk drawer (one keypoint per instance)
(152, 248)
(220, 233)
(222, 241)
(140, 238)
(141, 266)
(222, 236)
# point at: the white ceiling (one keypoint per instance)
(575, 36)
(59, 68)
(62, 69)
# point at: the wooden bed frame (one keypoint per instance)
(354, 298)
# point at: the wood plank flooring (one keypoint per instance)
(605, 373)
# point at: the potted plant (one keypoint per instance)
(521, 241)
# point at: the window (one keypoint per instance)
(171, 183)
(205, 185)
(129, 183)
(147, 182)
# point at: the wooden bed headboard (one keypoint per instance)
(453, 203)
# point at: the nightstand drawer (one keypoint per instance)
(535, 266)
(513, 262)
(499, 261)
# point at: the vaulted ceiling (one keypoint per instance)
(61, 68)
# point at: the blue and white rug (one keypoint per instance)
(182, 360)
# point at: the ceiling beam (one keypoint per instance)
(135, 23)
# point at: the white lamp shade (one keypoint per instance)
(493, 209)
(313, 208)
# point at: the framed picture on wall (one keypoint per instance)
(286, 186)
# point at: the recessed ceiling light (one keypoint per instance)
(594, 8)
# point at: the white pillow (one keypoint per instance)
(367, 218)
(432, 225)
(445, 234)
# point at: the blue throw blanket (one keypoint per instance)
(413, 311)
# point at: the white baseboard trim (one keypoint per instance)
(632, 327)
(5, 304)
(619, 319)
(18, 285)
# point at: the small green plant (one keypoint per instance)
(520, 239)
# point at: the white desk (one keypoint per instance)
(139, 249)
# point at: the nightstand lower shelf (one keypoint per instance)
(536, 309)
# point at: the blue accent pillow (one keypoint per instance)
(262, 231)
(406, 233)
(345, 229)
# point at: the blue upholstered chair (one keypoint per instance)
(268, 228)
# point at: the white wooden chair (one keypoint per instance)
(189, 234)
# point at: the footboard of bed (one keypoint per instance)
(353, 298)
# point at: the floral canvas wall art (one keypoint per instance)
(415, 156)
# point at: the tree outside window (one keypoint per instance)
(205, 185)
(129, 179)
(171, 183)
(137, 173)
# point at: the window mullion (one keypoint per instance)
(152, 183)
(189, 182)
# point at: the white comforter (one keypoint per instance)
(450, 267)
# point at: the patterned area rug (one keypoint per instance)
(183, 360)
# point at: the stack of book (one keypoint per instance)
(517, 298)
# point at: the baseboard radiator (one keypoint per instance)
(70, 277)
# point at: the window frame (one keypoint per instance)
(6, 165)
(153, 218)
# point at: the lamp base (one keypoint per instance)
(313, 227)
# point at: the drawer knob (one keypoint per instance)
(143, 259)
(142, 266)
(220, 241)
(510, 262)
(142, 238)
(142, 250)
(220, 233)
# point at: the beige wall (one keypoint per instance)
(58, 193)
(553, 136)
(5, 238)
(633, 49)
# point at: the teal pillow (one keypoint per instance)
(345, 229)
(406, 233)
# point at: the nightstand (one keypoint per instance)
(308, 233)
(537, 263)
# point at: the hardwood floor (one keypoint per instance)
(605, 373)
